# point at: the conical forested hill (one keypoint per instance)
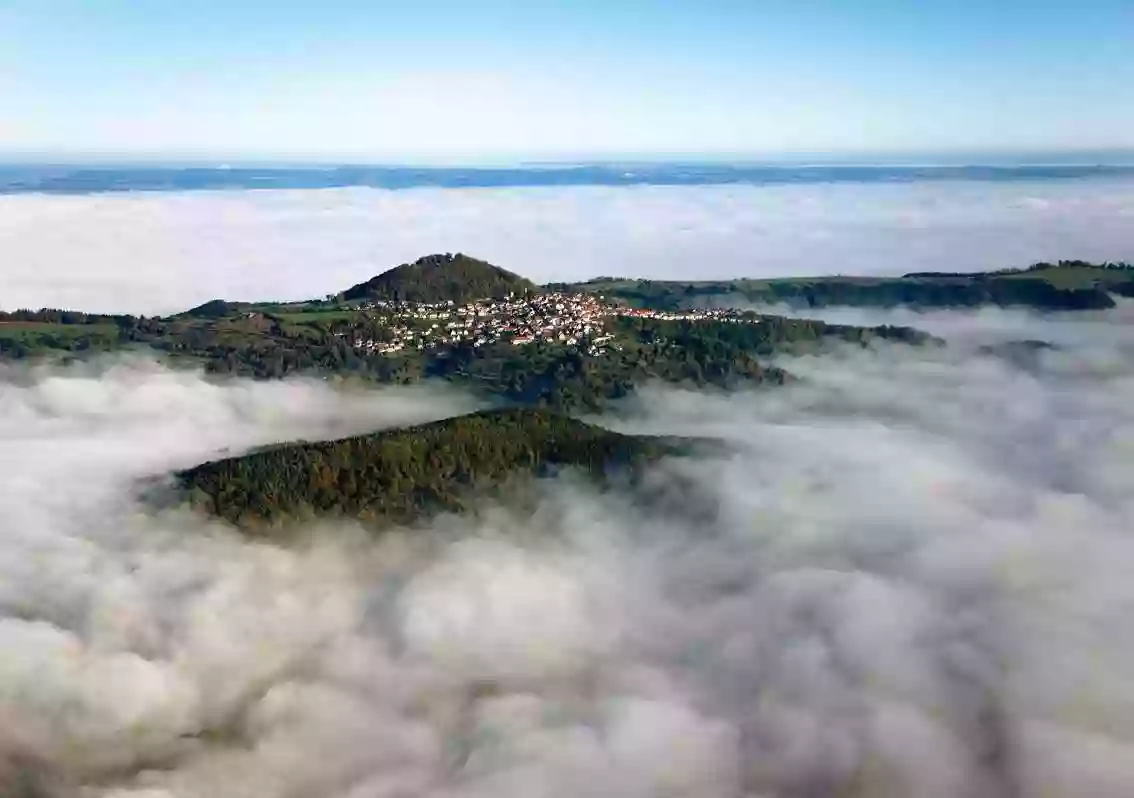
(440, 278)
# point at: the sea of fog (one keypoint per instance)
(120, 244)
(908, 575)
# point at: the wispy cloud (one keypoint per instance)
(165, 252)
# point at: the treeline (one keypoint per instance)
(1034, 293)
(880, 292)
(395, 476)
(1035, 267)
(770, 334)
(55, 332)
(59, 316)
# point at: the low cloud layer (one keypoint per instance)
(909, 576)
(157, 253)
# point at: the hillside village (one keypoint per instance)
(568, 319)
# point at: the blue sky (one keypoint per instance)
(464, 80)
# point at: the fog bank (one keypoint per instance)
(908, 576)
(165, 252)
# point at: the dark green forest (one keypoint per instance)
(399, 475)
(441, 278)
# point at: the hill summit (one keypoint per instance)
(439, 278)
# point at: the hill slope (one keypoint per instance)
(396, 475)
(440, 278)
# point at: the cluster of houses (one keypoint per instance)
(568, 319)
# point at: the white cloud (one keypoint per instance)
(165, 252)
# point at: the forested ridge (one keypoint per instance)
(1063, 286)
(1044, 269)
(398, 475)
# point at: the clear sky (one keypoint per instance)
(481, 79)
